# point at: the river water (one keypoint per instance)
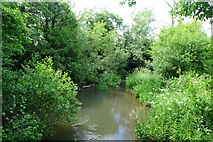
(104, 115)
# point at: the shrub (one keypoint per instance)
(109, 80)
(145, 84)
(25, 127)
(34, 99)
(18, 123)
(182, 48)
(183, 111)
(49, 92)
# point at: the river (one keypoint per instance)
(104, 115)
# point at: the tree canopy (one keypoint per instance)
(196, 9)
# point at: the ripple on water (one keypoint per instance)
(104, 115)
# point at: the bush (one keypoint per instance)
(49, 92)
(182, 48)
(108, 80)
(26, 127)
(183, 111)
(34, 99)
(145, 84)
(18, 124)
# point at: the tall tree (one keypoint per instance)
(139, 39)
(34, 91)
(92, 16)
(196, 9)
(53, 33)
(14, 35)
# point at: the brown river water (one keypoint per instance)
(104, 115)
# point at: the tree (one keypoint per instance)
(14, 35)
(33, 91)
(92, 16)
(53, 30)
(103, 52)
(138, 39)
(182, 48)
(195, 9)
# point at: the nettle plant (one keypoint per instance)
(183, 111)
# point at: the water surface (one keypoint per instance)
(104, 115)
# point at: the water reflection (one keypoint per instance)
(104, 116)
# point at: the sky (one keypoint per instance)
(159, 7)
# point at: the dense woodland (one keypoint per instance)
(49, 52)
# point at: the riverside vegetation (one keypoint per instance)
(49, 52)
(179, 89)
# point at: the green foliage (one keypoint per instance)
(54, 34)
(102, 51)
(138, 39)
(182, 111)
(14, 35)
(18, 123)
(37, 97)
(182, 48)
(92, 16)
(141, 23)
(98, 48)
(109, 80)
(62, 38)
(26, 127)
(145, 84)
(53, 92)
(200, 10)
(102, 47)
